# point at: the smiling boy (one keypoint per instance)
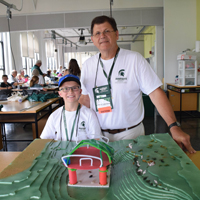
(72, 121)
(5, 85)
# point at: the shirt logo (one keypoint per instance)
(82, 126)
(121, 76)
(121, 72)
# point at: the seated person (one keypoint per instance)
(66, 72)
(54, 73)
(72, 119)
(19, 78)
(26, 78)
(5, 85)
(34, 83)
(12, 78)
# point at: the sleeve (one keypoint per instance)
(94, 130)
(83, 79)
(147, 78)
(49, 131)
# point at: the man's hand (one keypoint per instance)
(182, 139)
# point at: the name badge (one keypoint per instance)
(103, 99)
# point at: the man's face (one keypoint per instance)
(104, 37)
(39, 64)
(22, 73)
(14, 74)
(73, 94)
(5, 79)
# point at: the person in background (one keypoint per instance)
(66, 72)
(60, 70)
(12, 79)
(34, 83)
(113, 82)
(54, 73)
(21, 71)
(19, 78)
(5, 85)
(72, 119)
(26, 78)
(74, 68)
(36, 71)
(49, 73)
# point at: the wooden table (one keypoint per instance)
(27, 112)
(183, 90)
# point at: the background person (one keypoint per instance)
(74, 68)
(5, 85)
(121, 76)
(12, 79)
(36, 71)
(34, 83)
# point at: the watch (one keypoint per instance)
(174, 124)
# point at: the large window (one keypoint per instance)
(29, 51)
(50, 55)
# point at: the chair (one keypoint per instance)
(4, 94)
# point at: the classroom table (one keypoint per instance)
(27, 112)
(182, 90)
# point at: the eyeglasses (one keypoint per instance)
(67, 89)
(105, 32)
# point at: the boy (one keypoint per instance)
(72, 121)
(5, 85)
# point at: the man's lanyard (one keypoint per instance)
(65, 124)
(110, 73)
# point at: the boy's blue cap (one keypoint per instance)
(69, 77)
(26, 75)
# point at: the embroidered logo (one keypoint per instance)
(121, 76)
(121, 72)
(82, 126)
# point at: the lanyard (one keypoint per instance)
(65, 124)
(107, 76)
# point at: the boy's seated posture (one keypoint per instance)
(72, 119)
(5, 85)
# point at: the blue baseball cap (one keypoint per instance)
(69, 77)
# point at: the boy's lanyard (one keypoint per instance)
(110, 73)
(65, 124)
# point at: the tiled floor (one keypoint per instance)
(152, 125)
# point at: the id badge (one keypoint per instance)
(103, 99)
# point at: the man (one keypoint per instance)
(12, 79)
(36, 71)
(113, 82)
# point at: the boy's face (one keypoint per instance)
(72, 94)
(5, 79)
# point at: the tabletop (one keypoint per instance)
(10, 107)
(182, 87)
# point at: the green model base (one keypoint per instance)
(150, 167)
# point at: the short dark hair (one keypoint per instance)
(102, 19)
(4, 76)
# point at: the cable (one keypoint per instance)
(10, 43)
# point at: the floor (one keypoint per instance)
(152, 125)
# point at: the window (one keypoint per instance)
(2, 64)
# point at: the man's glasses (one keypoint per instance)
(105, 32)
(67, 89)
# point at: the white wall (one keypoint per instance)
(58, 6)
(179, 33)
(138, 46)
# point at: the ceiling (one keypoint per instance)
(71, 36)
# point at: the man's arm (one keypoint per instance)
(160, 100)
(85, 100)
